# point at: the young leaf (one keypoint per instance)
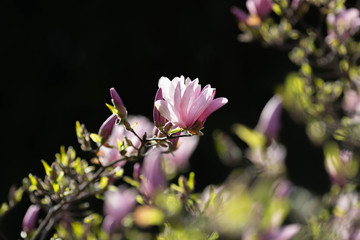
(46, 167)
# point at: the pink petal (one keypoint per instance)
(214, 105)
(199, 106)
(239, 14)
(164, 84)
(188, 98)
(250, 5)
(168, 111)
(177, 98)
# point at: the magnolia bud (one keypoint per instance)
(115, 98)
(154, 177)
(270, 119)
(106, 127)
(159, 120)
(30, 218)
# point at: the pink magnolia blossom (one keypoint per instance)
(261, 8)
(185, 105)
(110, 153)
(258, 9)
(116, 206)
(343, 25)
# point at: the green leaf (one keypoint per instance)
(104, 181)
(112, 109)
(78, 129)
(148, 216)
(95, 137)
(56, 187)
(344, 65)
(140, 199)
(306, 69)
(4, 208)
(214, 236)
(18, 194)
(46, 167)
(119, 172)
(131, 181)
(33, 183)
(78, 229)
(251, 137)
(176, 130)
(191, 181)
(276, 8)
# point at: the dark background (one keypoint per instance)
(59, 60)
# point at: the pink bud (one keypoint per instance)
(270, 119)
(30, 218)
(159, 120)
(154, 178)
(239, 14)
(118, 103)
(106, 127)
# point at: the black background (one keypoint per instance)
(59, 60)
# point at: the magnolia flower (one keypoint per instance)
(185, 105)
(154, 178)
(270, 118)
(110, 153)
(258, 9)
(116, 206)
(343, 25)
(261, 8)
(30, 218)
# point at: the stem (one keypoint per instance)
(169, 137)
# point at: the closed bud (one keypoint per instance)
(154, 177)
(159, 120)
(270, 119)
(30, 218)
(116, 100)
(106, 128)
